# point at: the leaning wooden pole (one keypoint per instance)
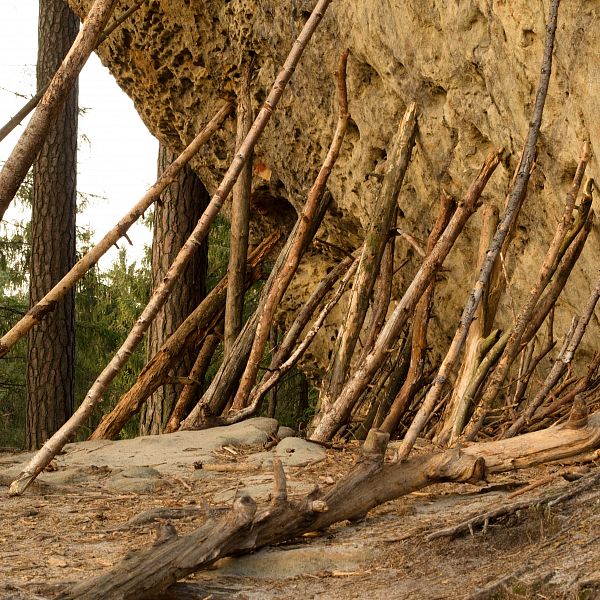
(198, 324)
(240, 219)
(356, 385)
(47, 304)
(309, 212)
(93, 397)
(560, 365)
(513, 207)
(224, 383)
(21, 158)
(418, 353)
(376, 239)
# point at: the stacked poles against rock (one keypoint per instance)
(160, 294)
(391, 381)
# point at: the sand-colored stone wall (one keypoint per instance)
(472, 66)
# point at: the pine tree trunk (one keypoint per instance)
(175, 216)
(50, 364)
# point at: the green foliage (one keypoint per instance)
(106, 305)
(14, 264)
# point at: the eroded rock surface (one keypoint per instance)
(471, 66)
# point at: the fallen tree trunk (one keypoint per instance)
(371, 482)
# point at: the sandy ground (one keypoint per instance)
(73, 523)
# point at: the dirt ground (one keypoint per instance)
(57, 534)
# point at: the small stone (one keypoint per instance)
(285, 432)
(57, 561)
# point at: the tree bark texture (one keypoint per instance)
(175, 215)
(51, 347)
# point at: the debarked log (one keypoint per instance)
(371, 482)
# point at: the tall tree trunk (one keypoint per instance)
(175, 216)
(52, 345)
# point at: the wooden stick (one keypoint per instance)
(472, 355)
(513, 207)
(560, 365)
(419, 332)
(340, 411)
(297, 249)
(197, 374)
(203, 319)
(224, 383)
(275, 375)
(47, 304)
(376, 238)
(21, 158)
(503, 509)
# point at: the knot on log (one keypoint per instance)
(455, 465)
(244, 509)
(318, 506)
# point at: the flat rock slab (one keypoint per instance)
(142, 464)
(169, 453)
(293, 452)
(284, 563)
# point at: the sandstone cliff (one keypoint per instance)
(472, 67)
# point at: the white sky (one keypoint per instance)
(119, 161)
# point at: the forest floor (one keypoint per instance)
(73, 522)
